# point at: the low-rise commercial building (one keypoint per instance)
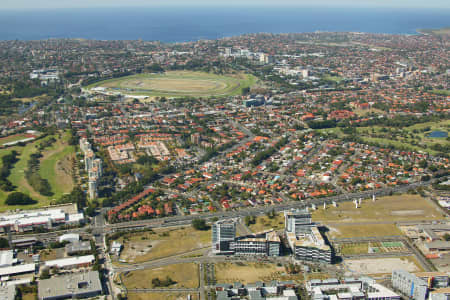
(6, 258)
(78, 247)
(440, 294)
(73, 286)
(30, 220)
(17, 270)
(349, 288)
(434, 279)
(71, 262)
(7, 292)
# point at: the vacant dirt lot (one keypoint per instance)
(184, 275)
(381, 265)
(370, 230)
(404, 207)
(145, 246)
(247, 272)
(160, 296)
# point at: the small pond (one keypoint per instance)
(438, 134)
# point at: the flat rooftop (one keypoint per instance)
(66, 285)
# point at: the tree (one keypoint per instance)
(423, 164)
(4, 243)
(199, 224)
(45, 274)
(18, 198)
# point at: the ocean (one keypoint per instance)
(180, 24)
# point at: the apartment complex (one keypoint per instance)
(224, 241)
(410, 285)
(223, 233)
(304, 237)
(93, 167)
(264, 243)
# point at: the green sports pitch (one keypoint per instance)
(177, 84)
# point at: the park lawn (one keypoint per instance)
(29, 296)
(336, 79)
(372, 230)
(160, 296)
(363, 112)
(444, 125)
(247, 272)
(336, 130)
(403, 207)
(441, 92)
(385, 142)
(185, 275)
(145, 246)
(51, 167)
(265, 223)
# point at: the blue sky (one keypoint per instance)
(42, 4)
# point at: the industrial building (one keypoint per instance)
(223, 233)
(304, 237)
(72, 286)
(349, 288)
(410, 285)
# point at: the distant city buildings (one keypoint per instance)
(45, 75)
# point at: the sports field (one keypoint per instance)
(177, 84)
